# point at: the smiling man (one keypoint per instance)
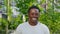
(32, 26)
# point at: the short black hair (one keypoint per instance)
(32, 8)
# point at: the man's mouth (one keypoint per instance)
(34, 18)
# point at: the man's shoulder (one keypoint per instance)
(20, 27)
(22, 24)
(43, 26)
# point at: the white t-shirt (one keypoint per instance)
(26, 28)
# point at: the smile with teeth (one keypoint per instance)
(34, 19)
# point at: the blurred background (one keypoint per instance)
(14, 12)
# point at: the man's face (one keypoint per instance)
(34, 14)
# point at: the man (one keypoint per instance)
(32, 26)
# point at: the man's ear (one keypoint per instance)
(39, 14)
(28, 14)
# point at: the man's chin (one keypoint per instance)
(34, 20)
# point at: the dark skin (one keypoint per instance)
(34, 13)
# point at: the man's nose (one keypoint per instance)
(35, 16)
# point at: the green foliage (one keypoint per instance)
(15, 22)
(23, 5)
(50, 18)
